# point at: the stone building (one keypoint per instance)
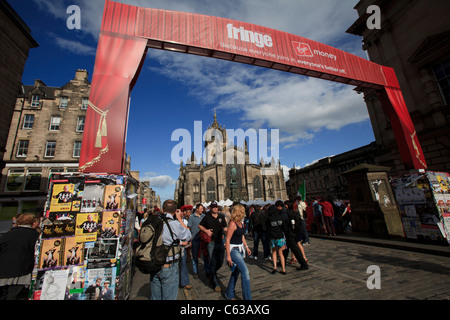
(413, 39)
(146, 196)
(16, 40)
(325, 179)
(233, 178)
(44, 138)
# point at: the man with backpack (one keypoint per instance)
(164, 283)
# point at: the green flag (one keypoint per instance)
(302, 190)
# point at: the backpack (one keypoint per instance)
(151, 253)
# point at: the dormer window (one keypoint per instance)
(35, 99)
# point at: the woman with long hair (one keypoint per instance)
(236, 247)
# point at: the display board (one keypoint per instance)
(85, 248)
(424, 204)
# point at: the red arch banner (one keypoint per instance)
(127, 31)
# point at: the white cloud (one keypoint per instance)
(159, 181)
(298, 106)
(75, 47)
(286, 171)
(320, 20)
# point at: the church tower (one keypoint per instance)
(216, 141)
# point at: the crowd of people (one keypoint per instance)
(218, 234)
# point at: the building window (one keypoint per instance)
(196, 191)
(270, 189)
(55, 122)
(257, 189)
(33, 180)
(196, 186)
(80, 123)
(84, 103)
(35, 100)
(50, 149)
(63, 103)
(22, 148)
(28, 122)
(442, 74)
(14, 181)
(210, 190)
(76, 149)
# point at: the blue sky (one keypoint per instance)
(316, 118)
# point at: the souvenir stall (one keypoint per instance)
(85, 248)
(424, 203)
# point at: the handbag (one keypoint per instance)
(204, 237)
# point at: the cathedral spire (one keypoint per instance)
(215, 116)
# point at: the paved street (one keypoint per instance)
(338, 271)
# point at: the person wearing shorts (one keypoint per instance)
(277, 228)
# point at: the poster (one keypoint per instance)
(77, 193)
(86, 227)
(75, 283)
(62, 196)
(110, 224)
(50, 253)
(100, 284)
(103, 249)
(54, 286)
(91, 200)
(113, 197)
(73, 252)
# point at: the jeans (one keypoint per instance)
(216, 252)
(238, 259)
(164, 283)
(196, 243)
(184, 274)
(264, 237)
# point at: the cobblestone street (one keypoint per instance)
(338, 271)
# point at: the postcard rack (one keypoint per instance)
(85, 249)
(424, 203)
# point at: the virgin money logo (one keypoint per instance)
(302, 49)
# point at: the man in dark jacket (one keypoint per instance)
(17, 257)
(291, 236)
(258, 228)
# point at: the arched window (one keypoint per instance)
(270, 191)
(196, 187)
(210, 190)
(257, 188)
(196, 191)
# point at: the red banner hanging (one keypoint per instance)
(127, 31)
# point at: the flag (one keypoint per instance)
(302, 190)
